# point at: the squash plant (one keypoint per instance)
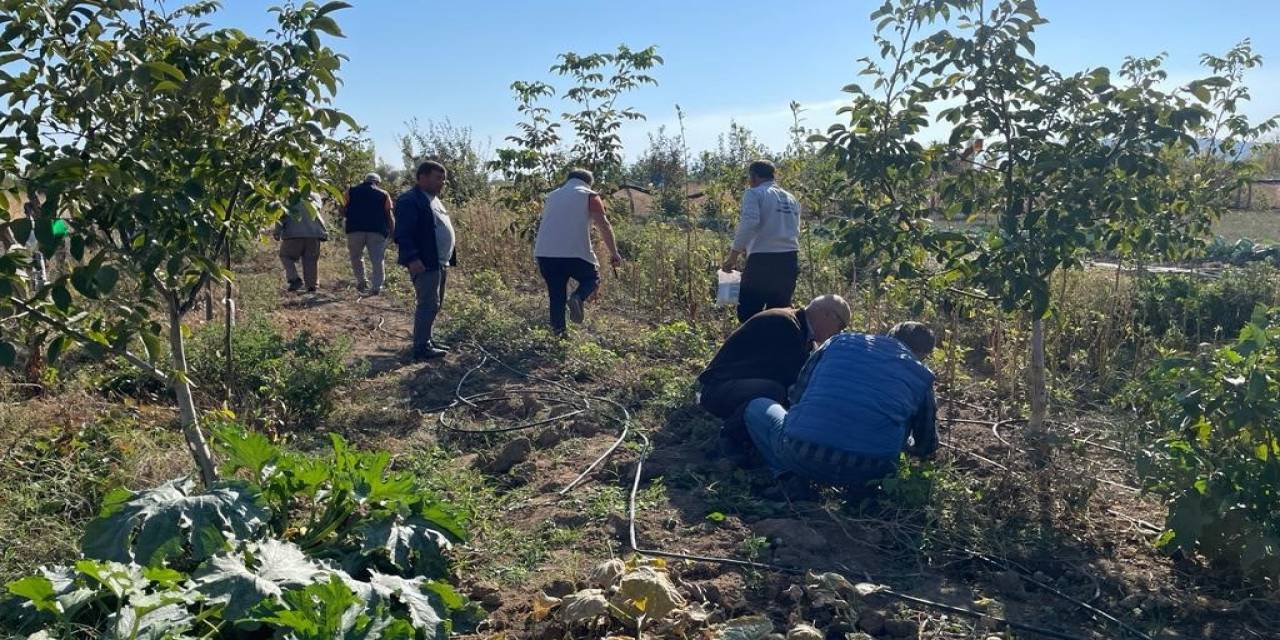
(305, 547)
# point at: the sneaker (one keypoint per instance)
(311, 289)
(441, 347)
(430, 353)
(295, 285)
(575, 309)
(362, 289)
(374, 292)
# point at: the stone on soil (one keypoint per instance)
(805, 632)
(902, 628)
(748, 628)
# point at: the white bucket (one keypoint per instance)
(728, 283)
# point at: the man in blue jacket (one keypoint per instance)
(858, 403)
(426, 240)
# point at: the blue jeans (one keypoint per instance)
(766, 423)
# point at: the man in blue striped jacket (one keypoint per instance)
(860, 401)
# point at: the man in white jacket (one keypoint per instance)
(769, 234)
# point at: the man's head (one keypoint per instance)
(827, 316)
(431, 175)
(918, 337)
(760, 172)
(372, 178)
(581, 174)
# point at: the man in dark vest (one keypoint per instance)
(425, 237)
(367, 211)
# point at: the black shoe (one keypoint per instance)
(295, 285)
(733, 450)
(576, 313)
(362, 289)
(792, 487)
(311, 289)
(430, 353)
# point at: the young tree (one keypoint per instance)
(161, 141)
(597, 124)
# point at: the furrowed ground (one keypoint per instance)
(987, 526)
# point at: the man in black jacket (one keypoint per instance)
(761, 359)
(366, 209)
(425, 237)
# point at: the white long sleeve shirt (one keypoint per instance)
(769, 222)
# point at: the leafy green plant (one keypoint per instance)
(1216, 459)
(289, 383)
(305, 548)
(1201, 309)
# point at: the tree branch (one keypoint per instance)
(67, 329)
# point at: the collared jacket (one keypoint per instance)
(864, 394)
(772, 345)
(416, 231)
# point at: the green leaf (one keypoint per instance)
(412, 546)
(61, 297)
(263, 571)
(243, 449)
(106, 278)
(39, 591)
(162, 623)
(56, 347)
(83, 281)
(330, 7)
(408, 592)
(327, 25)
(161, 69)
(161, 524)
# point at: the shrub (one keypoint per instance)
(284, 382)
(1201, 309)
(308, 548)
(1217, 419)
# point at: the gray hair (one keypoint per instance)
(581, 174)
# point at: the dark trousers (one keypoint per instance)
(728, 400)
(429, 287)
(557, 272)
(768, 282)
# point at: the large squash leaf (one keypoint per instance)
(261, 571)
(170, 521)
(408, 593)
(411, 545)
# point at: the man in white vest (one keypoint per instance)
(564, 249)
(769, 234)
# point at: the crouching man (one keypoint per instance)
(761, 359)
(858, 403)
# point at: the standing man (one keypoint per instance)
(368, 223)
(300, 232)
(563, 247)
(425, 236)
(769, 234)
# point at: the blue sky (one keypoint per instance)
(743, 60)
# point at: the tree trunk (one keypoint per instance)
(230, 310)
(187, 413)
(1035, 380)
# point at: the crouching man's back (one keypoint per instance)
(860, 401)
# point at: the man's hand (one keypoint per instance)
(416, 267)
(615, 260)
(730, 262)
